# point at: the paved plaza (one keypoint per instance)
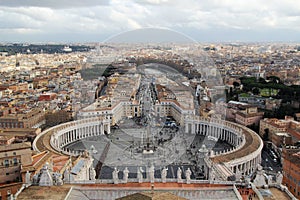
(176, 150)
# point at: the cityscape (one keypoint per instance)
(148, 112)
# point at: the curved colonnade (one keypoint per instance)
(67, 133)
(247, 145)
(242, 158)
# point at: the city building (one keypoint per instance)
(12, 158)
(26, 119)
(20, 134)
(291, 169)
(286, 130)
(249, 116)
(119, 100)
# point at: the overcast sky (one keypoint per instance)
(97, 20)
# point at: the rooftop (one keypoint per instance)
(49, 193)
(110, 191)
(17, 146)
(252, 144)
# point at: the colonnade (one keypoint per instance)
(246, 168)
(219, 131)
(72, 131)
(234, 134)
(243, 162)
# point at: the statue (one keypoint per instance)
(92, 173)
(164, 174)
(27, 178)
(125, 174)
(188, 176)
(179, 172)
(115, 176)
(140, 174)
(46, 177)
(247, 181)
(151, 173)
(270, 179)
(279, 178)
(259, 180)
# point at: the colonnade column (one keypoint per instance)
(186, 128)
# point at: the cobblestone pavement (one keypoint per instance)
(180, 151)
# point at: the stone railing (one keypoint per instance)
(259, 196)
(286, 190)
(237, 192)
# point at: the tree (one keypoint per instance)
(236, 84)
(274, 79)
(261, 80)
(266, 134)
(255, 91)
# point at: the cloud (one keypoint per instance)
(55, 4)
(103, 18)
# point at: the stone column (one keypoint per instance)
(69, 136)
(193, 128)
(186, 127)
(200, 128)
(108, 128)
(102, 129)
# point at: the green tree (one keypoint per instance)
(255, 91)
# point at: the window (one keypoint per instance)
(15, 161)
(7, 174)
(15, 153)
(6, 163)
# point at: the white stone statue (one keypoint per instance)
(164, 174)
(92, 173)
(46, 177)
(179, 172)
(151, 173)
(247, 181)
(140, 174)
(115, 176)
(125, 175)
(188, 176)
(270, 179)
(259, 180)
(27, 178)
(279, 177)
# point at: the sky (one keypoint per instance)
(96, 20)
